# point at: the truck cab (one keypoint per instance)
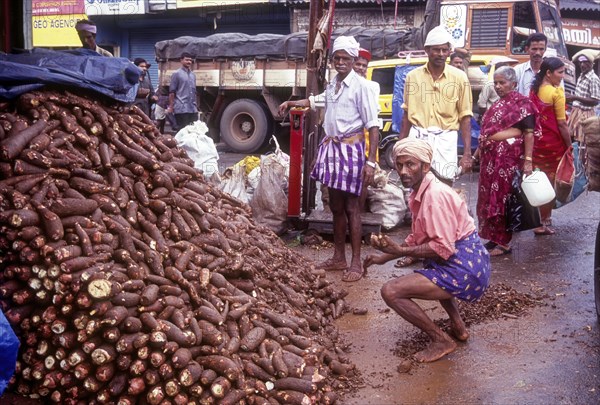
(502, 27)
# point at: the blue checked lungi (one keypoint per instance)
(340, 162)
(466, 274)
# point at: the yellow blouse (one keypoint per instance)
(556, 97)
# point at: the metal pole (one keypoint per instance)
(311, 120)
(27, 28)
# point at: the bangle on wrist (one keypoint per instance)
(528, 158)
(371, 164)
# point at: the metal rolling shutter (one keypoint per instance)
(141, 44)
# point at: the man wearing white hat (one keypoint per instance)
(86, 30)
(437, 103)
(350, 107)
(587, 94)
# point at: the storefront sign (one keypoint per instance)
(584, 33)
(215, 3)
(55, 30)
(53, 7)
(114, 7)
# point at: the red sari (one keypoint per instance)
(499, 161)
(548, 149)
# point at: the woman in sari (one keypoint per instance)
(506, 142)
(549, 98)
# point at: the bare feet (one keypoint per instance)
(405, 261)
(436, 350)
(459, 331)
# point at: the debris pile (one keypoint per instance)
(499, 301)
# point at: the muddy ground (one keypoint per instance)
(544, 349)
(548, 353)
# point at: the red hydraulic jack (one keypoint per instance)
(301, 195)
(295, 175)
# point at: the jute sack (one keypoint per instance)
(591, 133)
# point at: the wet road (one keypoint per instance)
(551, 355)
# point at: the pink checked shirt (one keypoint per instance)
(440, 217)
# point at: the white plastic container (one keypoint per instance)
(537, 188)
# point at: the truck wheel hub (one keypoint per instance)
(247, 126)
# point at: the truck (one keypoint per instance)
(242, 79)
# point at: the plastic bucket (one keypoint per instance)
(537, 188)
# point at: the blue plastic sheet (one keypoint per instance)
(398, 96)
(475, 132)
(116, 78)
(9, 347)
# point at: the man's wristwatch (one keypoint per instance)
(371, 164)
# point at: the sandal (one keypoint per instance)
(500, 250)
(405, 261)
(331, 265)
(490, 245)
(352, 276)
(544, 230)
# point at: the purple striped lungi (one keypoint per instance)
(340, 161)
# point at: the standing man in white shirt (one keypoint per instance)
(350, 106)
(535, 46)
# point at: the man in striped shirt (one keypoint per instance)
(586, 97)
(350, 106)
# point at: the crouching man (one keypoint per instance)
(456, 264)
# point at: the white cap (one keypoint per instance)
(438, 36)
(502, 59)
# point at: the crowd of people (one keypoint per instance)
(523, 128)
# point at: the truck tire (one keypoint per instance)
(245, 125)
(386, 150)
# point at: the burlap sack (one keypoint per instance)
(591, 132)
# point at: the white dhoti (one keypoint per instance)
(444, 145)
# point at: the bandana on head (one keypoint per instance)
(438, 36)
(417, 148)
(85, 27)
(348, 44)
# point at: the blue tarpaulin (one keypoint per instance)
(116, 78)
(9, 346)
(398, 96)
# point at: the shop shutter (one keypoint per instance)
(141, 44)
